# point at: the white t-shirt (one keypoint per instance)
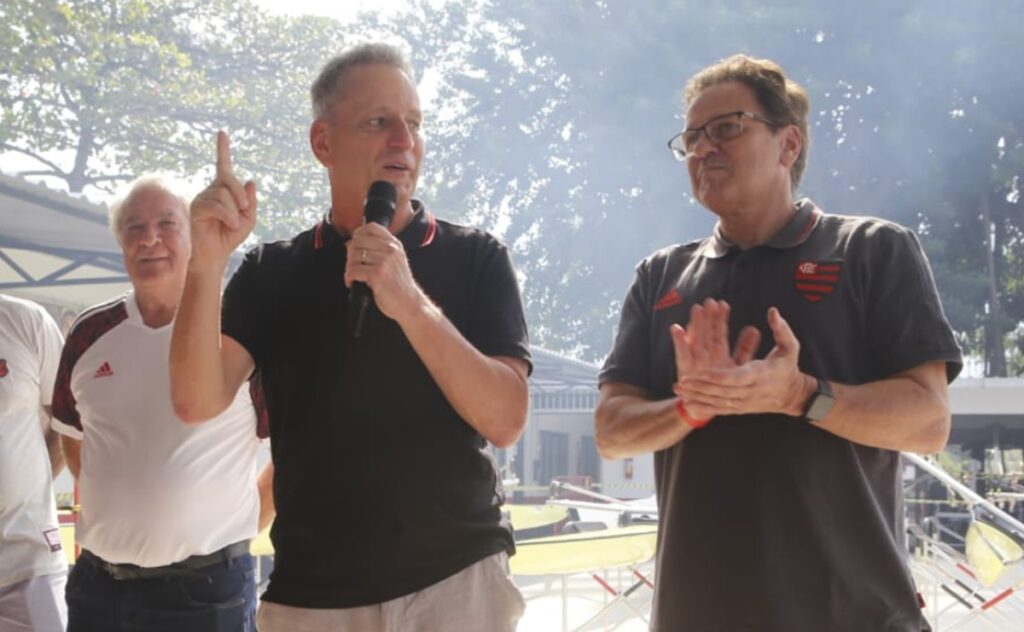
(153, 490)
(30, 345)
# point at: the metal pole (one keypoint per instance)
(965, 491)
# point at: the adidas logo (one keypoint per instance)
(104, 370)
(670, 299)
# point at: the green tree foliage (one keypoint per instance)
(97, 91)
(971, 203)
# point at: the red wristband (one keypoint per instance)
(690, 421)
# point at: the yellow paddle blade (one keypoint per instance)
(525, 517)
(989, 550)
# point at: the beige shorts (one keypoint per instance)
(480, 598)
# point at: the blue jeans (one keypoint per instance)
(216, 598)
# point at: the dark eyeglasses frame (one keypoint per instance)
(678, 147)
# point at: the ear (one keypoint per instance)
(319, 143)
(792, 143)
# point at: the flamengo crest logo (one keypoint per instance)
(3, 367)
(816, 279)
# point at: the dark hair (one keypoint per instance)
(784, 101)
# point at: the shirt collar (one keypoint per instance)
(418, 233)
(795, 232)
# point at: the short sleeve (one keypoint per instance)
(62, 428)
(629, 360)
(498, 326)
(904, 314)
(66, 419)
(238, 305)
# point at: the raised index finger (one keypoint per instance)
(224, 170)
(226, 173)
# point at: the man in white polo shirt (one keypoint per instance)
(167, 509)
(32, 565)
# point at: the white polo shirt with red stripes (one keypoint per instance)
(153, 490)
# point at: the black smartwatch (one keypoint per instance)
(820, 402)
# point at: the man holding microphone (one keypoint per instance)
(388, 502)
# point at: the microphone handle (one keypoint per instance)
(362, 294)
(362, 305)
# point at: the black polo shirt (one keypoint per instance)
(767, 523)
(381, 488)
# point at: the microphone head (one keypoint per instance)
(380, 203)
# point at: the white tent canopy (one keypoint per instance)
(56, 249)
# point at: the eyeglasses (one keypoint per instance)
(718, 130)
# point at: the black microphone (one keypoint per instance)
(379, 208)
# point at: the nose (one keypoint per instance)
(703, 147)
(150, 235)
(402, 136)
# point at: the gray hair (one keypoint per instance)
(327, 87)
(168, 184)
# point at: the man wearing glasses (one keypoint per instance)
(776, 369)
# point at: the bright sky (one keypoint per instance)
(344, 10)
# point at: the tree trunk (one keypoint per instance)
(995, 352)
(77, 178)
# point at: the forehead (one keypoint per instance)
(377, 86)
(721, 98)
(150, 203)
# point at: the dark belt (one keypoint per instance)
(184, 567)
